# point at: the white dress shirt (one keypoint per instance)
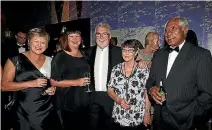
(172, 56)
(101, 69)
(21, 49)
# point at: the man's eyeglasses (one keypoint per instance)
(102, 34)
(128, 50)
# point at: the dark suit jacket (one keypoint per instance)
(115, 57)
(188, 85)
(11, 49)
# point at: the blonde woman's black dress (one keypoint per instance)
(34, 110)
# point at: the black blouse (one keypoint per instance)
(64, 67)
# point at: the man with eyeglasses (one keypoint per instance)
(103, 57)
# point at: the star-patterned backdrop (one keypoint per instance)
(137, 14)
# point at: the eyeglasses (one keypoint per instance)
(102, 34)
(128, 50)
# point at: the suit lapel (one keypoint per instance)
(109, 62)
(164, 62)
(92, 63)
(180, 59)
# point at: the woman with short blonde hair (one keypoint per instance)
(27, 74)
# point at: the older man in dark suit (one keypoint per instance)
(185, 72)
(103, 57)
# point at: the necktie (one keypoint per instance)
(173, 49)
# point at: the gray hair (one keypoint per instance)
(103, 25)
(183, 21)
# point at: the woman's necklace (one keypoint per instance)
(128, 79)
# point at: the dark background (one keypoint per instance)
(27, 14)
(83, 25)
(17, 15)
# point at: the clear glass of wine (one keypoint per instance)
(45, 76)
(88, 75)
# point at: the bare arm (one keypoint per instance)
(8, 76)
(112, 94)
(147, 102)
(119, 100)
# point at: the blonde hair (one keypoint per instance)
(38, 32)
(149, 37)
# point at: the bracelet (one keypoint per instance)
(147, 110)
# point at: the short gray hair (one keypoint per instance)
(104, 25)
(183, 21)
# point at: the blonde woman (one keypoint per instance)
(27, 74)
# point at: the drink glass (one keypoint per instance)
(45, 76)
(88, 75)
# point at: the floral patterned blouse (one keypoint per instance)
(131, 89)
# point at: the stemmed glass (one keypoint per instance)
(45, 76)
(88, 75)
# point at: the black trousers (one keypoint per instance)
(101, 111)
(74, 120)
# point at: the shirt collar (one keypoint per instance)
(20, 44)
(181, 45)
(104, 49)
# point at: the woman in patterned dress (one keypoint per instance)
(127, 88)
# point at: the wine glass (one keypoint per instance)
(45, 76)
(88, 75)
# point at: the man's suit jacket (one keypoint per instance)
(188, 84)
(11, 49)
(114, 55)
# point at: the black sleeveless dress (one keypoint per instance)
(34, 111)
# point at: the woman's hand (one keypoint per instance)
(147, 119)
(142, 64)
(72, 82)
(123, 103)
(40, 82)
(51, 90)
(54, 82)
(82, 81)
(149, 65)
